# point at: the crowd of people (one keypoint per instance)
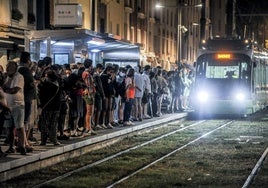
(77, 100)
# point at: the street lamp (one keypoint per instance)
(180, 28)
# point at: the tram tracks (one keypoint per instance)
(169, 154)
(115, 169)
(117, 155)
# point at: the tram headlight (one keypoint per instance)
(240, 96)
(202, 96)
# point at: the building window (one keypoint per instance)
(167, 17)
(110, 27)
(219, 26)
(102, 25)
(128, 3)
(139, 5)
(167, 46)
(163, 46)
(30, 6)
(132, 34)
(117, 29)
(15, 4)
(31, 15)
(16, 13)
(171, 19)
(138, 36)
(163, 18)
(125, 31)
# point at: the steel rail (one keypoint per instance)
(169, 154)
(255, 170)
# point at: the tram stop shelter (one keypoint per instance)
(66, 46)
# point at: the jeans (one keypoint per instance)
(127, 110)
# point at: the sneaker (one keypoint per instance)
(80, 129)
(109, 126)
(56, 143)
(126, 123)
(159, 114)
(131, 123)
(93, 132)
(74, 134)
(67, 130)
(103, 126)
(79, 133)
(86, 133)
(71, 133)
(115, 124)
(146, 117)
(98, 127)
(62, 137)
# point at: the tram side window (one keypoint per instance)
(244, 71)
(200, 71)
(262, 75)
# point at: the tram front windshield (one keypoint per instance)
(211, 68)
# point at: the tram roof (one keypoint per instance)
(226, 45)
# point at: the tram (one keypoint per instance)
(231, 78)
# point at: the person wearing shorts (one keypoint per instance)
(13, 88)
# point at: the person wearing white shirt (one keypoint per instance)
(147, 92)
(139, 84)
(13, 88)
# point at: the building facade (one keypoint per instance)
(165, 35)
(218, 18)
(15, 18)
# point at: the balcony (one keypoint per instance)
(141, 15)
(128, 9)
(152, 20)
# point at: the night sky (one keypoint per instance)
(256, 19)
(252, 6)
